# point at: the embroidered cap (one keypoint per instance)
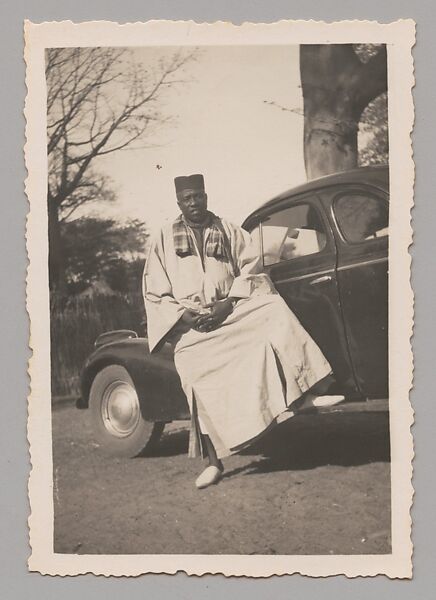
(189, 182)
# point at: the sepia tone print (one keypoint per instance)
(224, 236)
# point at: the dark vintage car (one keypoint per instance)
(325, 246)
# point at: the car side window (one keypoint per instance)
(291, 233)
(361, 216)
(255, 239)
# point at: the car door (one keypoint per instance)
(299, 253)
(360, 221)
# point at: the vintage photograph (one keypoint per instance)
(218, 223)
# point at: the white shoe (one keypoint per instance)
(210, 476)
(312, 401)
(320, 401)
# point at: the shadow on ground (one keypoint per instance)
(317, 484)
(307, 442)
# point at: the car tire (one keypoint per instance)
(118, 425)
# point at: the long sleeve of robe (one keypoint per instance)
(162, 309)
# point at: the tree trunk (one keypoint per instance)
(56, 261)
(337, 87)
(330, 144)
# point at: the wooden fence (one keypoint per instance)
(75, 323)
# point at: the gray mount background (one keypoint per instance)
(15, 581)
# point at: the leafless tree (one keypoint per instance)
(99, 101)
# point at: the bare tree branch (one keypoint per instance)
(84, 116)
(99, 101)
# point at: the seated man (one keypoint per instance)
(242, 355)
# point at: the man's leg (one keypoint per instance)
(214, 461)
(213, 473)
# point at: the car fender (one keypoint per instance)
(154, 375)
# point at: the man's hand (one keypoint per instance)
(219, 312)
(190, 319)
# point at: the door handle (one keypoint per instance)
(322, 279)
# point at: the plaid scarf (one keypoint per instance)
(217, 245)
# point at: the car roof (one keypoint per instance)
(376, 175)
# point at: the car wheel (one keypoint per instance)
(118, 425)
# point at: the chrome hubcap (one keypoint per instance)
(120, 409)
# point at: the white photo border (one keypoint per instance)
(400, 38)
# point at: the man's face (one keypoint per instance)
(193, 204)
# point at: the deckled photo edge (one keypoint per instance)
(43, 559)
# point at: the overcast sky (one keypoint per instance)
(247, 150)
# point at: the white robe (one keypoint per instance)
(230, 376)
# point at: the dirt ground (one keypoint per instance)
(317, 484)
